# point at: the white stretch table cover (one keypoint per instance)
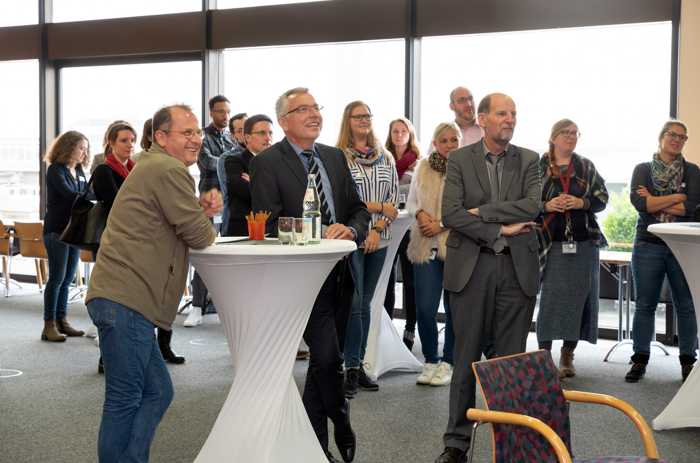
(684, 240)
(385, 348)
(264, 295)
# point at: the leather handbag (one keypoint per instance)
(88, 220)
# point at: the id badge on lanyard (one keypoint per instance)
(568, 246)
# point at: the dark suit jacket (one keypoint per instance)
(278, 183)
(238, 192)
(467, 186)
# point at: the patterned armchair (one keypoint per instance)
(529, 411)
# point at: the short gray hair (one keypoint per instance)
(164, 116)
(282, 103)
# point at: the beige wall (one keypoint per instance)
(689, 76)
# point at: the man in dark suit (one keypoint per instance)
(278, 184)
(257, 131)
(491, 197)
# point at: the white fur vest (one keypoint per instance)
(429, 185)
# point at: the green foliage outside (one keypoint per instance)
(620, 224)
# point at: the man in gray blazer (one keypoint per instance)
(491, 197)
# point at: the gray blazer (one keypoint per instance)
(467, 186)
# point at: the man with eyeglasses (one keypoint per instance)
(235, 125)
(491, 198)
(139, 278)
(462, 104)
(217, 141)
(278, 184)
(257, 131)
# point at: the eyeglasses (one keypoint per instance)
(262, 133)
(465, 99)
(304, 110)
(189, 133)
(677, 136)
(571, 133)
(362, 117)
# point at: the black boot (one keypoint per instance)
(687, 362)
(164, 337)
(352, 378)
(639, 368)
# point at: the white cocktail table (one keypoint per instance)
(385, 348)
(684, 240)
(264, 294)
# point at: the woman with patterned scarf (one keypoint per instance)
(572, 193)
(377, 182)
(667, 189)
(427, 250)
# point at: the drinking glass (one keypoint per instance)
(300, 237)
(285, 230)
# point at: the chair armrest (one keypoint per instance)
(477, 414)
(638, 420)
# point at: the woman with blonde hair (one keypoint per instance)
(572, 193)
(373, 171)
(665, 189)
(427, 250)
(67, 157)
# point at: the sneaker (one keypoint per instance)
(636, 372)
(443, 375)
(427, 374)
(366, 383)
(352, 378)
(194, 318)
(91, 332)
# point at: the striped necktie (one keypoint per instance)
(313, 170)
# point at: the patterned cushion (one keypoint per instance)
(526, 384)
(620, 460)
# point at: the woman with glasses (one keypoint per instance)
(377, 182)
(427, 250)
(108, 178)
(666, 189)
(403, 146)
(572, 193)
(67, 158)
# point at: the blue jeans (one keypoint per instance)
(650, 263)
(63, 262)
(427, 280)
(365, 269)
(138, 389)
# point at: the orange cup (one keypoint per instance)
(256, 230)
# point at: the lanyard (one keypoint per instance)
(565, 184)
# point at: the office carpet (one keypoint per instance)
(51, 412)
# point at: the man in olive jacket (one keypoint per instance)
(139, 278)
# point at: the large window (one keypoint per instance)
(94, 97)
(19, 140)
(224, 4)
(336, 74)
(80, 10)
(19, 13)
(613, 81)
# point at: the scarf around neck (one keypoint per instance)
(121, 169)
(667, 179)
(438, 163)
(367, 157)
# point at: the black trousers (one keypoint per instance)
(491, 307)
(323, 394)
(409, 293)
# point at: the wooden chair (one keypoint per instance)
(31, 244)
(529, 411)
(8, 249)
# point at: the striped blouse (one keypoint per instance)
(376, 183)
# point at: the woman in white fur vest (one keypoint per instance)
(427, 252)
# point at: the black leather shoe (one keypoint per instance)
(636, 372)
(331, 458)
(352, 378)
(452, 455)
(345, 438)
(366, 383)
(685, 371)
